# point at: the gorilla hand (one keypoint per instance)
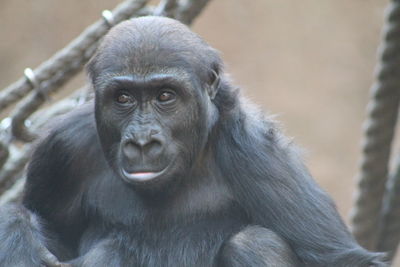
(22, 242)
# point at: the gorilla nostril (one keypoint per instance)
(131, 150)
(137, 148)
(153, 146)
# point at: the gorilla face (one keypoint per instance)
(154, 107)
(150, 126)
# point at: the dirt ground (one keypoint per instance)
(310, 61)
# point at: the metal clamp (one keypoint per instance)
(108, 17)
(30, 76)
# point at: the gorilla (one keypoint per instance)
(170, 166)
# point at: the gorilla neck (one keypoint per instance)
(200, 191)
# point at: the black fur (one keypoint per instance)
(234, 192)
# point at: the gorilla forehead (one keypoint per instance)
(153, 44)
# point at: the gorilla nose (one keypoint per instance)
(142, 145)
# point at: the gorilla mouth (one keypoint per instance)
(142, 176)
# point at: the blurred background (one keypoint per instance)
(310, 62)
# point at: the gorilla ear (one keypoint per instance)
(212, 88)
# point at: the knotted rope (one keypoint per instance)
(379, 131)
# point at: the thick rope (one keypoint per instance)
(18, 158)
(14, 193)
(188, 10)
(30, 104)
(14, 166)
(167, 8)
(52, 74)
(67, 60)
(379, 131)
(4, 153)
(389, 228)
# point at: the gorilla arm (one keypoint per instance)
(272, 185)
(23, 241)
(51, 207)
(256, 246)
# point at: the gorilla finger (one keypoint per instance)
(49, 259)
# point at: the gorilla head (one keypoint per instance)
(154, 98)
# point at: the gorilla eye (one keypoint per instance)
(166, 96)
(124, 98)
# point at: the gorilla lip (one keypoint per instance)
(141, 176)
